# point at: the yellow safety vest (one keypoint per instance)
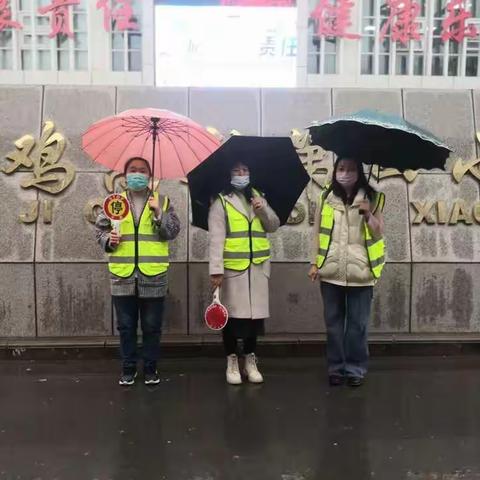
(246, 241)
(375, 248)
(140, 246)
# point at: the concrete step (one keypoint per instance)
(211, 345)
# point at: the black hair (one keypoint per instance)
(362, 182)
(130, 160)
(229, 188)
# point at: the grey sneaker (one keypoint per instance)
(152, 379)
(127, 379)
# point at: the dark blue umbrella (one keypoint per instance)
(376, 138)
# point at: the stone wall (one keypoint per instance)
(53, 277)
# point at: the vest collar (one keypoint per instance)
(337, 202)
(235, 200)
(358, 197)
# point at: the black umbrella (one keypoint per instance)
(275, 170)
(379, 139)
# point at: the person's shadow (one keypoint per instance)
(141, 451)
(344, 441)
(246, 430)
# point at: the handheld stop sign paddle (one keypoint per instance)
(216, 315)
(116, 208)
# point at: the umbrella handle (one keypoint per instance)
(150, 195)
(369, 177)
(154, 129)
(370, 174)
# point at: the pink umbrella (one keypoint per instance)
(172, 143)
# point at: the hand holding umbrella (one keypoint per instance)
(257, 203)
(364, 208)
(154, 204)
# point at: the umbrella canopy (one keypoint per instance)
(171, 143)
(275, 170)
(379, 139)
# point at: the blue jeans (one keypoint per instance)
(347, 313)
(128, 310)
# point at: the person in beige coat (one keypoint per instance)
(243, 286)
(346, 267)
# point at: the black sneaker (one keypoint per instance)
(127, 379)
(335, 380)
(355, 381)
(152, 379)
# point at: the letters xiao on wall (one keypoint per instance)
(53, 277)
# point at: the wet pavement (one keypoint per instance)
(415, 418)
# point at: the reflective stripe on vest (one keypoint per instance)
(245, 241)
(375, 248)
(150, 254)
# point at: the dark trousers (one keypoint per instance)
(150, 311)
(347, 313)
(230, 342)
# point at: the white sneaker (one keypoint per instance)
(233, 372)
(251, 369)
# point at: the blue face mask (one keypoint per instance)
(240, 181)
(137, 181)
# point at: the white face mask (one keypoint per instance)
(347, 179)
(240, 182)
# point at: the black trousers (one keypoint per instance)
(245, 329)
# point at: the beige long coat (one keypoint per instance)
(245, 294)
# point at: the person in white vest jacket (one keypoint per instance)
(347, 255)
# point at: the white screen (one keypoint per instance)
(226, 46)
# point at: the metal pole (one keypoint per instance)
(155, 121)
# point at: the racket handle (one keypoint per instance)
(216, 295)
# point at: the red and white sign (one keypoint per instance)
(116, 207)
(216, 315)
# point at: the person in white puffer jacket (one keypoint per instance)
(348, 255)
